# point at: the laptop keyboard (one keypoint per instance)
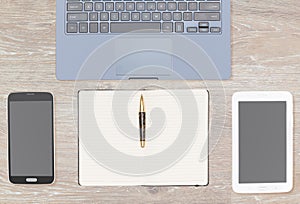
(148, 16)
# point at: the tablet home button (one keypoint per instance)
(31, 180)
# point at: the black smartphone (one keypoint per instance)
(30, 138)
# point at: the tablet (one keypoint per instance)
(262, 142)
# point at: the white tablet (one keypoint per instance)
(262, 142)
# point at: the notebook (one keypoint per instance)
(176, 150)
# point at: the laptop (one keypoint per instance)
(143, 39)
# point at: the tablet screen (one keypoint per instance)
(262, 142)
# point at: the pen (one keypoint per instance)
(142, 122)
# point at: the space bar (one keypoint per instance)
(140, 27)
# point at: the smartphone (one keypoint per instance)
(30, 138)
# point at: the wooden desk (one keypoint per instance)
(265, 56)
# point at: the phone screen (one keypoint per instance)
(262, 142)
(31, 137)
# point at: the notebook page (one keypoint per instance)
(109, 149)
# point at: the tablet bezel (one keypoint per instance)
(262, 187)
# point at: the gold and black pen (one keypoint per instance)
(142, 122)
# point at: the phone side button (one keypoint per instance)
(31, 180)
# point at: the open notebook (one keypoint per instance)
(176, 151)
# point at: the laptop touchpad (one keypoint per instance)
(147, 57)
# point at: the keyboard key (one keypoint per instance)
(161, 6)
(140, 6)
(156, 16)
(191, 29)
(93, 27)
(146, 16)
(135, 16)
(177, 16)
(179, 27)
(119, 6)
(98, 6)
(104, 16)
(77, 17)
(151, 6)
(88, 6)
(209, 6)
(130, 6)
(187, 16)
(104, 27)
(71, 27)
(93, 16)
(203, 24)
(114, 16)
(125, 27)
(172, 6)
(167, 27)
(215, 29)
(182, 6)
(125, 16)
(206, 16)
(203, 30)
(192, 6)
(166, 16)
(109, 6)
(83, 27)
(75, 6)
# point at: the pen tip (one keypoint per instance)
(142, 105)
(142, 144)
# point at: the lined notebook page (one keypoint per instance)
(176, 136)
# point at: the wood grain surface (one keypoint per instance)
(265, 56)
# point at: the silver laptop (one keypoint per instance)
(143, 39)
